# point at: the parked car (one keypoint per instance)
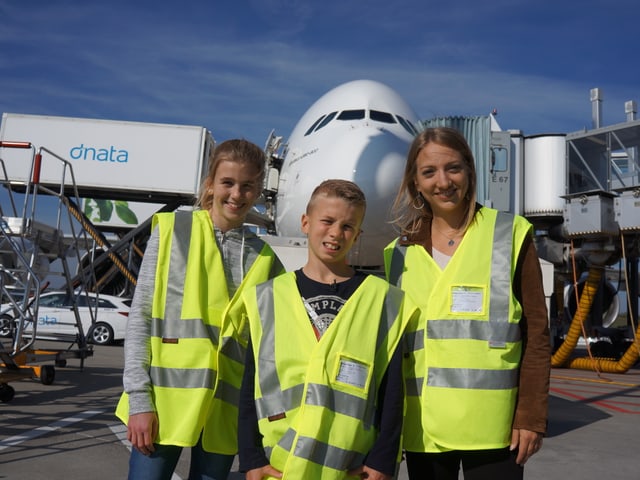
(56, 317)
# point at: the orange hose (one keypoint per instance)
(627, 361)
(582, 312)
(629, 358)
(559, 359)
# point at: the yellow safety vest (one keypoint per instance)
(316, 399)
(197, 354)
(462, 373)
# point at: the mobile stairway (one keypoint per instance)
(28, 250)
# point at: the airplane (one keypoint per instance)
(359, 131)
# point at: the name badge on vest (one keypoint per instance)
(467, 299)
(352, 372)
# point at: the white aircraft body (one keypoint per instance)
(359, 131)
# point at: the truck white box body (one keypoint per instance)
(110, 159)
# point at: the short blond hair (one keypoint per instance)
(338, 188)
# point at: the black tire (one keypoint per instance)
(47, 374)
(101, 334)
(6, 392)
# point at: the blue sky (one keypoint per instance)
(245, 67)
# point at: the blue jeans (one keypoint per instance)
(161, 464)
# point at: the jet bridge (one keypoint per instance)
(581, 192)
(602, 221)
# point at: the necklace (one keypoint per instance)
(451, 240)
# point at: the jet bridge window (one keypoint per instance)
(383, 117)
(351, 115)
(499, 159)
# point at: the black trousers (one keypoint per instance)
(497, 464)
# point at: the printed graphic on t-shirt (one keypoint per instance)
(326, 308)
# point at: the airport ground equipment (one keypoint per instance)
(59, 178)
(29, 248)
(124, 172)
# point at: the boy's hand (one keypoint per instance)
(369, 473)
(262, 472)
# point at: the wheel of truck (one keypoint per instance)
(47, 374)
(101, 334)
(6, 392)
(7, 324)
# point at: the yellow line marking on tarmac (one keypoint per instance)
(593, 380)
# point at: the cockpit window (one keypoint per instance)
(326, 120)
(351, 115)
(313, 126)
(319, 123)
(408, 126)
(383, 117)
(376, 115)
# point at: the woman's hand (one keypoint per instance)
(527, 443)
(142, 430)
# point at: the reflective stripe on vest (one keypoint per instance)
(325, 454)
(319, 452)
(183, 225)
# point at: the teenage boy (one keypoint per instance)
(322, 394)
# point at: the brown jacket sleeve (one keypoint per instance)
(535, 367)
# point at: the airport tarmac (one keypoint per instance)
(68, 429)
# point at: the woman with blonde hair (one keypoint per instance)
(478, 362)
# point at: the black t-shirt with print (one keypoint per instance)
(326, 299)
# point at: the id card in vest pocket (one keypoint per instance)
(467, 299)
(352, 373)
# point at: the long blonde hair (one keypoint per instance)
(409, 208)
(235, 150)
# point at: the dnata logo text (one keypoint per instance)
(111, 154)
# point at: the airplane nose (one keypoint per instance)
(376, 163)
(374, 159)
(365, 139)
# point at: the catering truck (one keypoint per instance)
(128, 161)
(104, 178)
